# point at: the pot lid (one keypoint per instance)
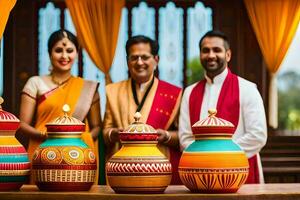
(8, 121)
(139, 127)
(65, 123)
(213, 124)
(139, 131)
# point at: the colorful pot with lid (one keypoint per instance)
(213, 163)
(14, 161)
(139, 166)
(63, 162)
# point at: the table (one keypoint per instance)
(246, 192)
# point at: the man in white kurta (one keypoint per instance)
(251, 132)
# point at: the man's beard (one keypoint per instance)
(220, 63)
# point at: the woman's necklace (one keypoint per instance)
(59, 83)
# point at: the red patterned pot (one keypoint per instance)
(139, 166)
(14, 162)
(64, 162)
(213, 163)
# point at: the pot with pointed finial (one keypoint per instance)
(139, 166)
(213, 163)
(14, 161)
(63, 162)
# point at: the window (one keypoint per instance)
(199, 22)
(170, 40)
(46, 26)
(289, 88)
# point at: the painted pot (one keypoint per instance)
(14, 161)
(213, 163)
(139, 166)
(63, 162)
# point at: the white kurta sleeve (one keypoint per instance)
(254, 135)
(184, 129)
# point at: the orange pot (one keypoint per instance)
(213, 163)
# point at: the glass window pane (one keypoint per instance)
(199, 21)
(143, 20)
(49, 21)
(119, 69)
(70, 27)
(171, 44)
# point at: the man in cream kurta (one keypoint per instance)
(251, 131)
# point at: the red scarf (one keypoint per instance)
(161, 110)
(228, 108)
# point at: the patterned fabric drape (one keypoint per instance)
(275, 23)
(5, 7)
(97, 26)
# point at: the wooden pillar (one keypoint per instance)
(20, 52)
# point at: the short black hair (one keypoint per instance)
(142, 39)
(59, 35)
(216, 33)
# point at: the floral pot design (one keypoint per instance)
(139, 166)
(14, 161)
(213, 163)
(63, 162)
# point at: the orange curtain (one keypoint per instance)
(5, 7)
(97, 26)
(275, 23)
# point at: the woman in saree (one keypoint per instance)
(43, 97)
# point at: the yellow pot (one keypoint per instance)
(139, 166)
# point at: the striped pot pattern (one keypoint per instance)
(14, 161)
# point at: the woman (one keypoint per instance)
(43, 96)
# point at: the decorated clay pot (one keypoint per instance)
(14, 161)
(139, 166)
(213, 163)
(63, 162)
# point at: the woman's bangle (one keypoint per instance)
(168, 137)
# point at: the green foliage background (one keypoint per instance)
(289, 101)
(194, 71)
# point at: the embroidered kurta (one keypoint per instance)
(251, 132)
